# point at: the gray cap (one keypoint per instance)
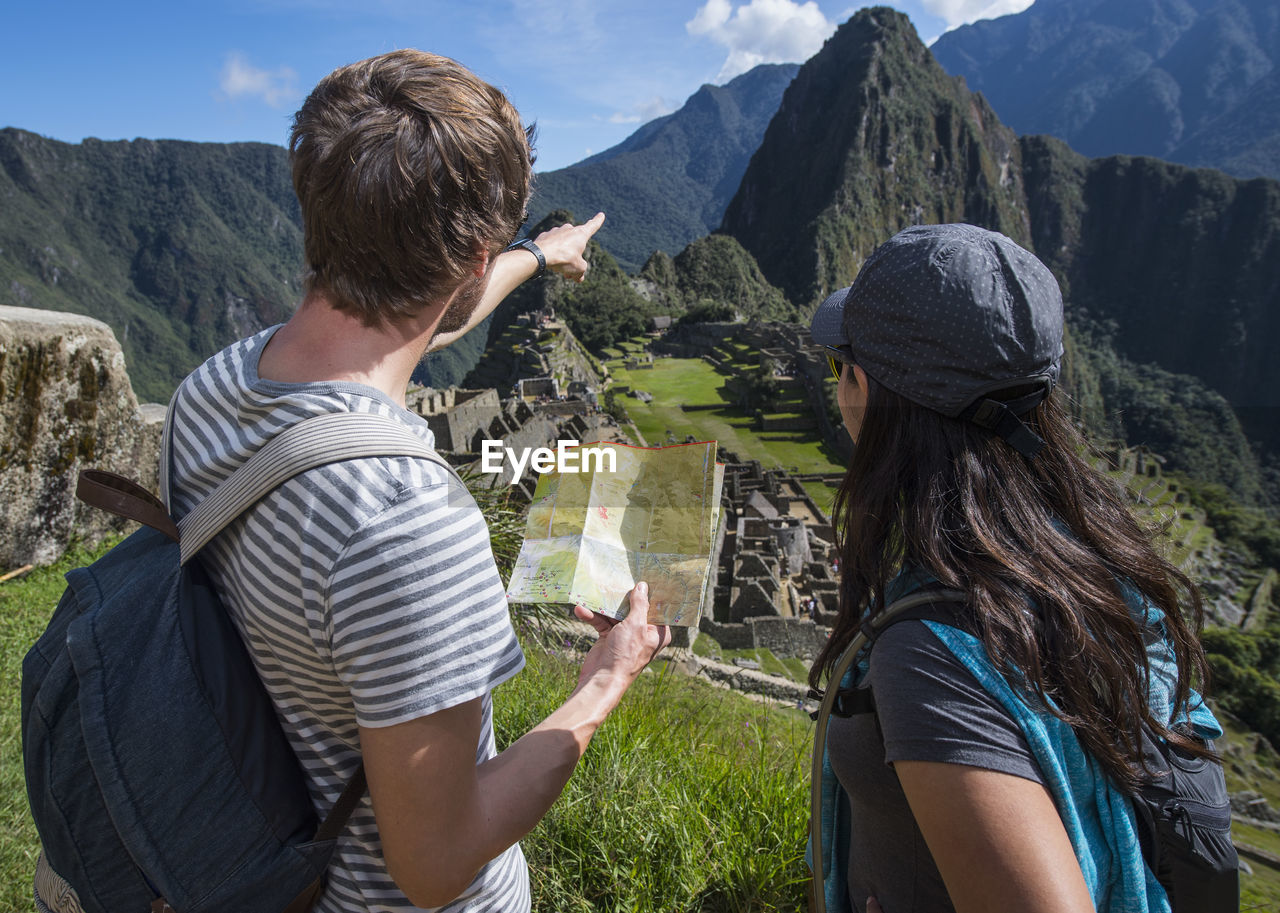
(946, 314)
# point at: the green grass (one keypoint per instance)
(823, 494)
(1262, 838)
(798, 669)
(692, 381)
(25, 607)
(689, 798)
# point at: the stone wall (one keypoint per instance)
(455, 416)
(691, 340)
(728, 636)
(786, 638)
(66, 404)
(564, 408)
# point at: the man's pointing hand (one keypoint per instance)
(564, 246)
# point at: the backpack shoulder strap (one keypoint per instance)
(924, 602)
(330, 438)
(851, 701)
(946, 606)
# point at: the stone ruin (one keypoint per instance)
(66, 404)
(531, 389)
(775, 586)
(788, 348)
(463, 419)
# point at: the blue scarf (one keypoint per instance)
(1099, 818)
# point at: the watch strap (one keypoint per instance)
(527, 244)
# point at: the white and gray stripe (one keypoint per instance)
(366, 592)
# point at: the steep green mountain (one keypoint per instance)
(871, 136)
(1191, 81)
(180, 247)
(669, 182)
(713, 273)
(1171, 274)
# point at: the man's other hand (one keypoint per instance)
(625, 647)
(564, 246)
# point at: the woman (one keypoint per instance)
(968, 474)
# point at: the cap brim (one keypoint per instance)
(827, 326)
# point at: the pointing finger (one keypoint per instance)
(593, 224)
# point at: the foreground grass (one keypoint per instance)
(689, 798)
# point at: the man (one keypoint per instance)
(366, 590)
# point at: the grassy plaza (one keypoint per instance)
(678, 383)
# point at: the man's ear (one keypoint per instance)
(860, 377)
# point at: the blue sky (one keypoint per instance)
(588, 72)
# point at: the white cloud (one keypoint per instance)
(240, 78)
(761, 31)
(959, 12)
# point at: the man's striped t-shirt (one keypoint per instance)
(366, 592)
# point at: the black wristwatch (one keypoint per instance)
(527, 244)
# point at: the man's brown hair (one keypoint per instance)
(407, 166)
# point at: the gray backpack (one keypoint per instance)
(157, 772)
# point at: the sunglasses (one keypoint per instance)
(837, 358)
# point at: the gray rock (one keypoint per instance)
(66, 404)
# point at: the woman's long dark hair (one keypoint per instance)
(945, 496)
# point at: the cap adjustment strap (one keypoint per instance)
(1002, 419)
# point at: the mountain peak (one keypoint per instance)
(871, 136)
(669, 182)
(1190, 81)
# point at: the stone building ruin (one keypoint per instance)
(772, 564)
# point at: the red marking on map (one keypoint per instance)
(604, 513)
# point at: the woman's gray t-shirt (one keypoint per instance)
(929, 707)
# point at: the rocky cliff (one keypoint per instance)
(66, 404)
(669, 182)
(1180, 266)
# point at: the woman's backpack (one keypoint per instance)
(1183, 812)
(157, 772)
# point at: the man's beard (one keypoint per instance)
(463, 305)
